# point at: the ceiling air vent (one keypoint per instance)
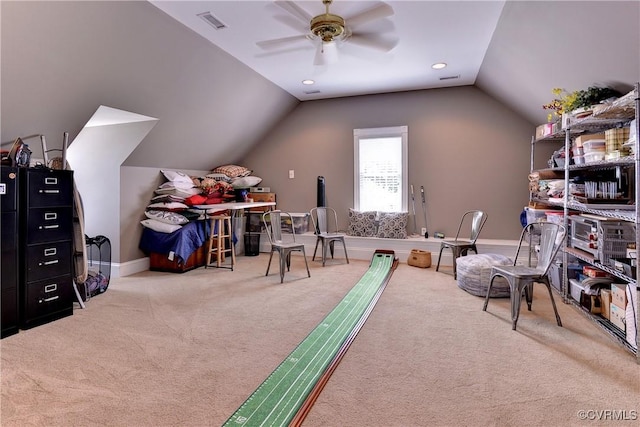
(212, 20)
(450, 77)
(311, 92)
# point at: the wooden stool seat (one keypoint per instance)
(221, 241)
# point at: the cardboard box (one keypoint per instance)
(619, 295)
(591, 302)
(618, 316)
(580, 140)
(263, 197)
(594, 272)
(605, 299)
(544, 130)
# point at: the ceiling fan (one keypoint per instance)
(328, 31)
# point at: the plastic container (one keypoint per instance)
(555, 216)
(578, 160)
(594, 157)
(535, 215)
(300, 222)
(594, 145)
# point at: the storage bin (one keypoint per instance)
(555, 216)
(300, 222)
(580, 140)
(575, 288)
(419, 258)
(592, 145)
(597, 156)
(536, 215)
(578, 160)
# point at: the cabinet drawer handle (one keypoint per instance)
(50, 251)
(50, 288)
(55, 261)
(48, 299)
(49, 191)
(49, 216)
(51, 180)
(49, 227)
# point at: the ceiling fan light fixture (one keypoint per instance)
(326, 54)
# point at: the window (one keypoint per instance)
(380, 169)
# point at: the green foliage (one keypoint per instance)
(565, 102)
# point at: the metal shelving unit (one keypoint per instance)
(620, 112)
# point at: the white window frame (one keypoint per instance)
(384, 132)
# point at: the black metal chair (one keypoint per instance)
(522, 277)
(461, 246)
(283, 242)
(325, 227)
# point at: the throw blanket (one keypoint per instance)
(182, 242)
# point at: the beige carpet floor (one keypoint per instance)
(163, 349)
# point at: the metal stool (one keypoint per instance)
(221, 234)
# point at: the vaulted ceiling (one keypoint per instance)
(516, 51)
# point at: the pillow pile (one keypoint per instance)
(169, 208)
(165, 212)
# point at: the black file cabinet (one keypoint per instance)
(9, 321)
(45, 248)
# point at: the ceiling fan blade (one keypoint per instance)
(376, 12)
(283, 51)
(372, 41)
(292, 23)
(281, 42)
(295, 10)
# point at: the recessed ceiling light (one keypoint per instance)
(439, 65)
(308, 82)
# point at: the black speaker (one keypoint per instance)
(322, 201)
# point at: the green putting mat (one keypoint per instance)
(281, 396)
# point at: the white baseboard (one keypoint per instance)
(130, 267)
(360, 248)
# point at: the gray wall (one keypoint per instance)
(468, 150)
(61, 60)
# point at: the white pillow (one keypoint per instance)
(168, 217)
(176, 176)
(180, 192)
(160, 227)
(168, 206)
(246, 181)
(177, 184)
